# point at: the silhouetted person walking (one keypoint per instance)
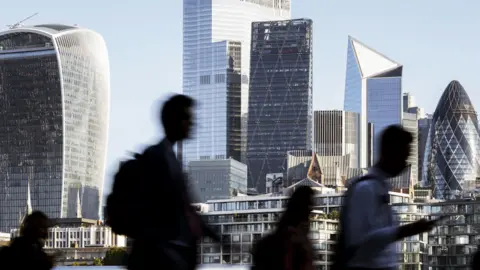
(368, 232)
(288, 247)
(26, 251)
(167, 235)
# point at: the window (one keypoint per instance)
(205, 79)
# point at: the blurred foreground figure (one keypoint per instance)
(150, 201)
(368, 231)
(288, 247)
(26, 251)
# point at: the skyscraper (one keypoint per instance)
(216, 63)
(280, 100)
(424, 125)
(336, 133)
(408, 101)
(373, 88)
(410, 123)
(453, 163)
(54, 90)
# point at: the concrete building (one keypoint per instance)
(217, 179)
(80, 233)
(337, 133)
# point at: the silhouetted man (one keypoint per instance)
(26, 251)
(370, 232)
(172, 227)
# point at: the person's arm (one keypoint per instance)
(361, 219)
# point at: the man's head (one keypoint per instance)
(394, 149)
(35, 227)
(177, 117)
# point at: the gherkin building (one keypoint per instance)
(453, 145)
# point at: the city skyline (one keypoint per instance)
(416, 43)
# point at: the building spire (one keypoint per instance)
(29, 200)
(79, 205)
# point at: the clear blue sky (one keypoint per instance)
(435, 40)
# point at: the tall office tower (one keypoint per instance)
(453, 165)
(408, 101)
(280, 100)
(336, 133)
(373, 88)
(54, 88)
(216, 63)
(410, 123)
(424, 125)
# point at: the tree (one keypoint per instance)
(97, 262)
(115, 256)
(334, 215)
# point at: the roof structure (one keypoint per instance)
(371, 62)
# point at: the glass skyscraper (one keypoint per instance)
(453, 145)
(216, 64)
(373, 88)
(54, 91)
(280, 100)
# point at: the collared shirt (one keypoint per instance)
(370, 224)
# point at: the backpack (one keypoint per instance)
(342, 254)
(123, 204)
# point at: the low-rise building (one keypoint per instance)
(80, 233)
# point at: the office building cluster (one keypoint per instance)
(253, 79)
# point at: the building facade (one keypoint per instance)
(333, 170)
(337, 133)
(244, 220)
(55, 87)
(80, 233)
(216, 63)
(408, 102)
(424, 125)
(453, 164)
(373, 88)
(410, 123)
(280, 99)
(217, 179)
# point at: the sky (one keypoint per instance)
(435, 40)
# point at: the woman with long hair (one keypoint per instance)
(288, 247)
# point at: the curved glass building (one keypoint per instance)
(452, 157)
(54, 109)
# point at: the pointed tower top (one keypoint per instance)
(370, 61)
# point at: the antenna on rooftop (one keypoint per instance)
(19, 24)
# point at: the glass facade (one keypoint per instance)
(280, 100)
(54, 84)
(453, 164)
(31, 136)
(373, 88)
(216, 37)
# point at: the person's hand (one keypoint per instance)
(415, 228)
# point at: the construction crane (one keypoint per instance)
(19, 24)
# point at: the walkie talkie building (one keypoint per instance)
(54, 108)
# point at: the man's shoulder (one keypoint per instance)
(365, 184)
